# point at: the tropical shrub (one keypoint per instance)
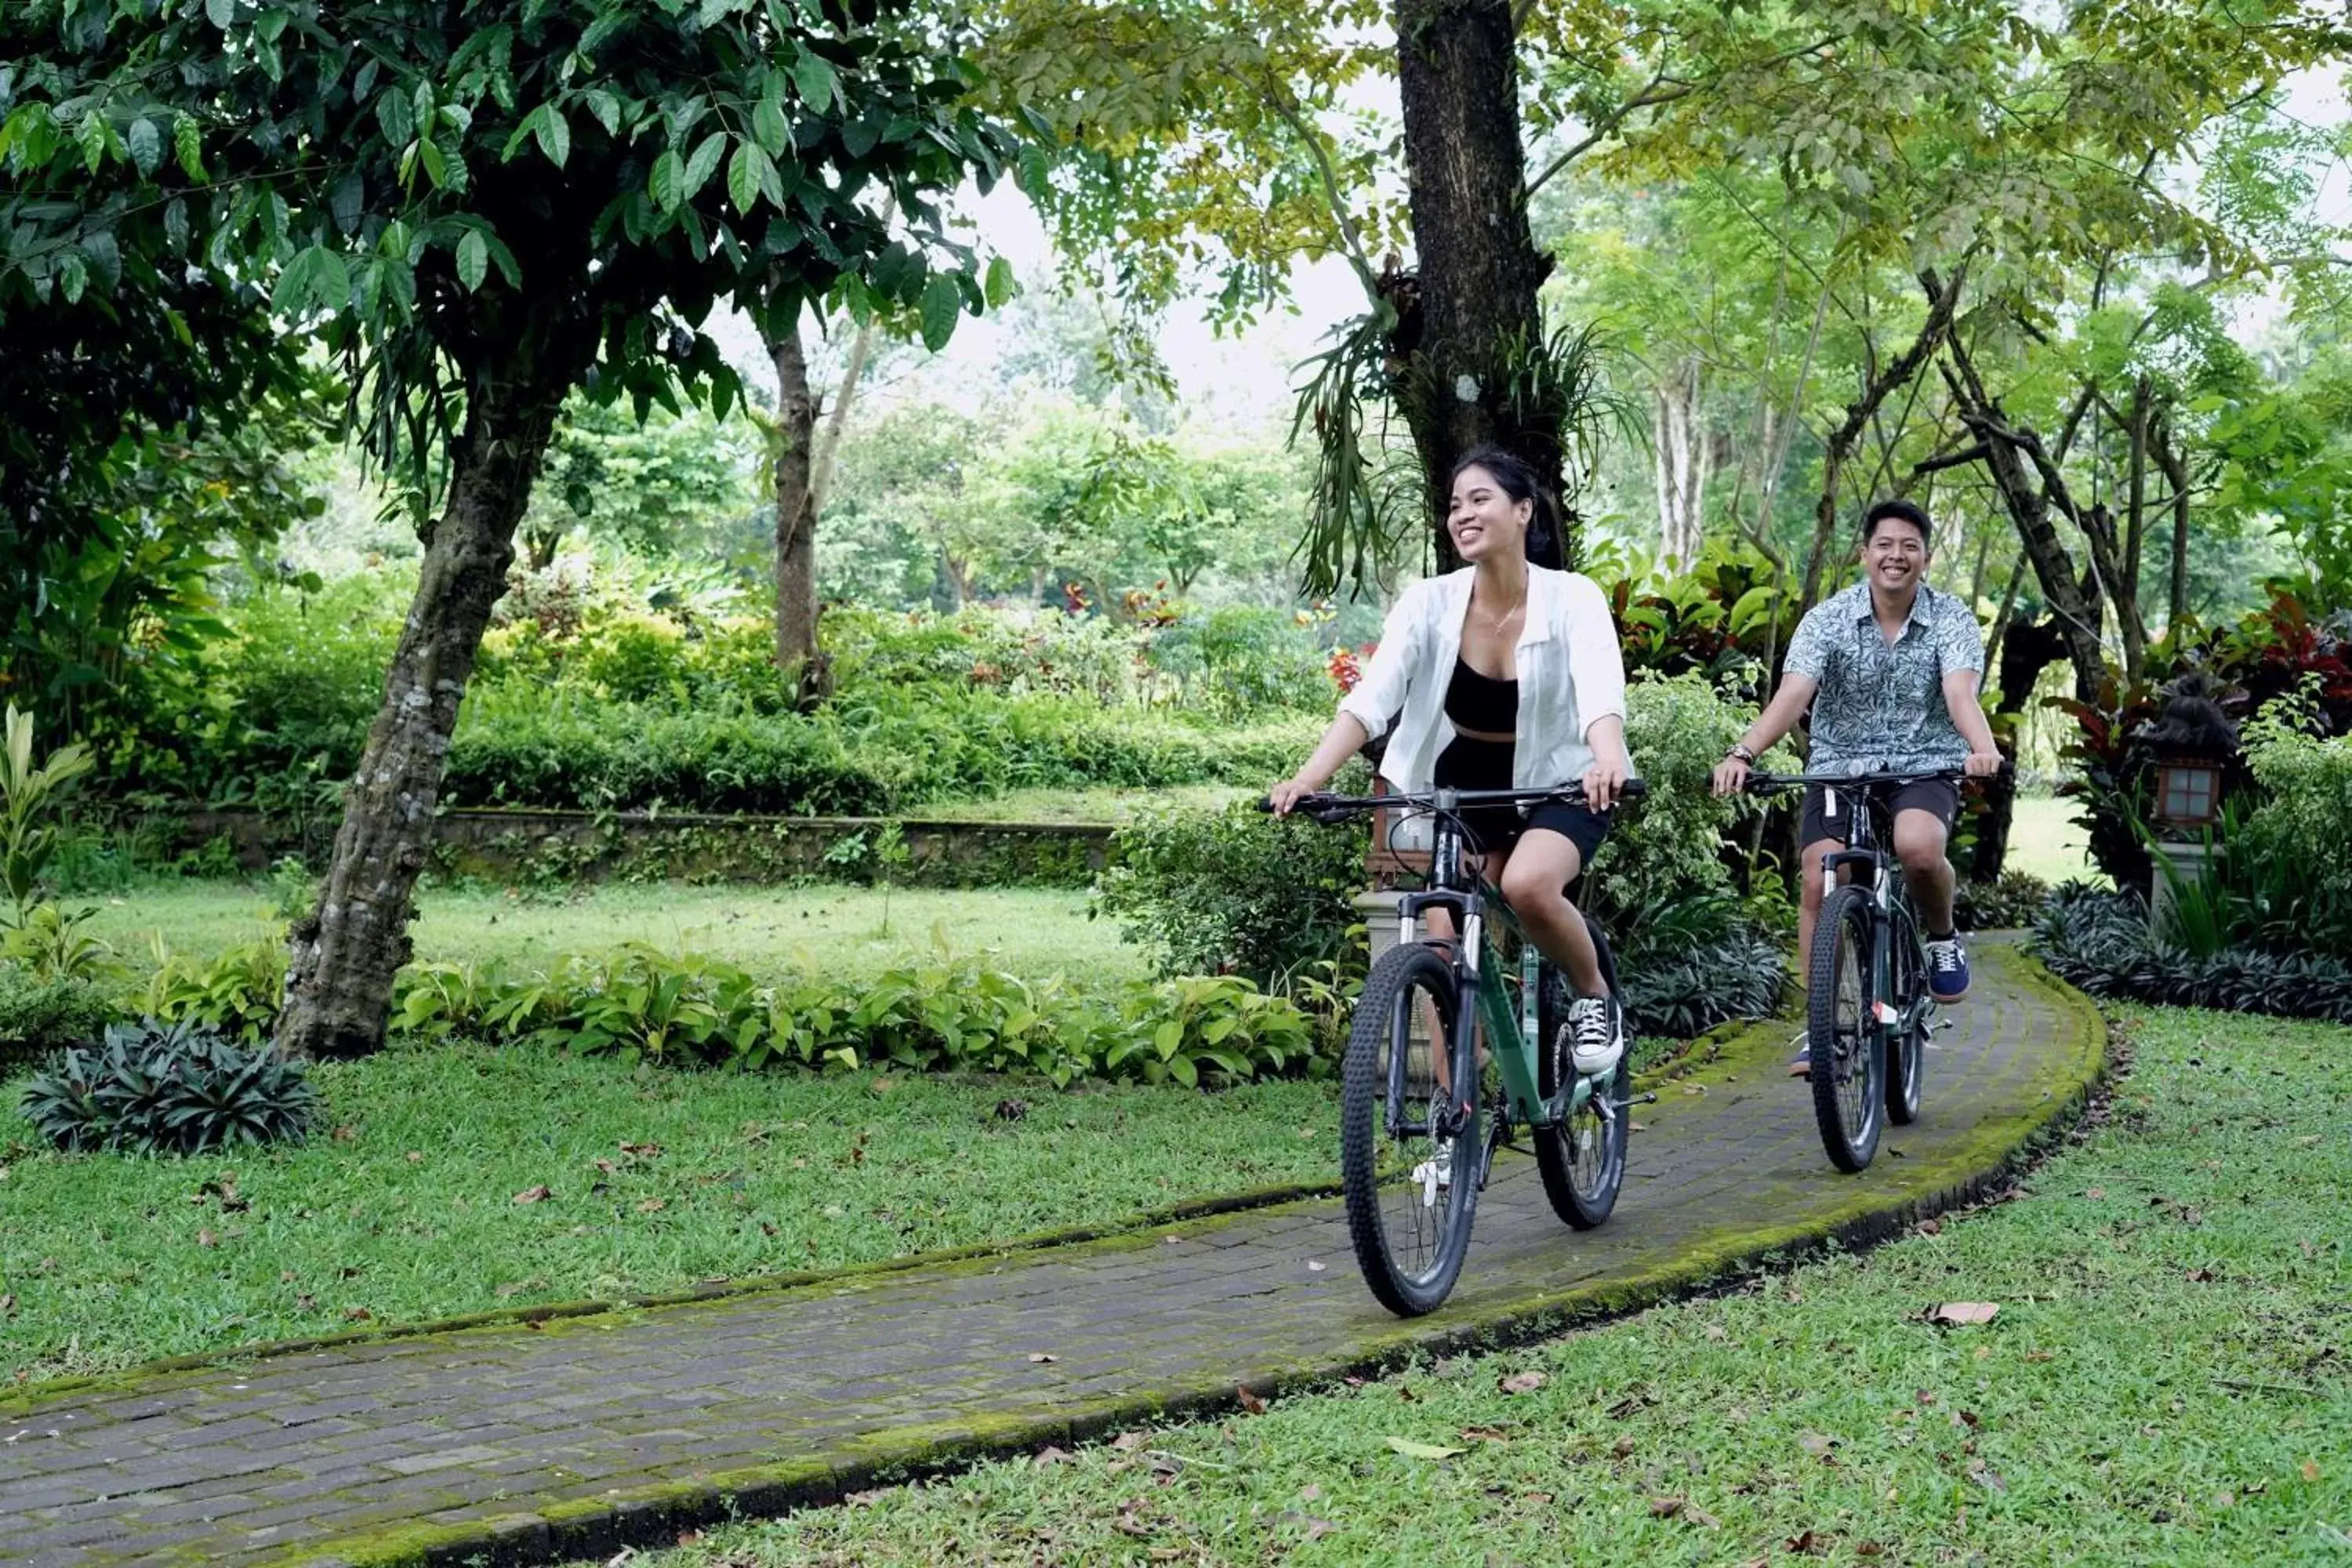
(236, 992)
(39, 1016)
(1237, 890)
(641, 1005)
(2101, 942)
(2295, 848)
(153, 1088)
(2016, 899)
(1674, 993)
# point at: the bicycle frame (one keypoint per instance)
(1886, 892)
(1512, 1041)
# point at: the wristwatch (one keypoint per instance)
(1743, 751)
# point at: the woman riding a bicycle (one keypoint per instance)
(1504, 674)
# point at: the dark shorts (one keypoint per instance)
(1466, 763)
(1940, 797)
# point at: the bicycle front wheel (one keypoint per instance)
(1409, 1146)
(1847, 1066)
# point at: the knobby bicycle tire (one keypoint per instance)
(1581, 1178)
(1847, 1067)
(1410, 1273)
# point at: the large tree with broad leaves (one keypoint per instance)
(479, 206)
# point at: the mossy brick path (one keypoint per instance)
(574, 1436)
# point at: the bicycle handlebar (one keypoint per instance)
(1325, 807)
(1765, 783)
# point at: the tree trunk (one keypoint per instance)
(1877, 385)
(1480, 319)
(795, 561)
(2176, 474)
(2007, 453)
(1681, 450)
(343, 957)
(2027, 649)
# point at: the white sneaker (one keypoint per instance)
(1436, 1173)
(1596, 1026)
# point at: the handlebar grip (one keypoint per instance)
(1632, 789)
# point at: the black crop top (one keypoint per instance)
(1475, 701)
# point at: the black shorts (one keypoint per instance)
(1940, 797)
(1496, 830)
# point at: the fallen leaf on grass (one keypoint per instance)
(688, 1537)
(2200, 1275)
(1625, 1448)
(1989, 1477)
(357, 1314)
(417, 1156)
(2310, 1471)
(643, 1151)
(1805, 1545)
(1412, 1450)
(2041, 1355)
(1957, 1314)
(1053, 1456)
(1039, 1358)
(1523, 1381)
(1869, 1549)
(2094, 1192)
(1317, 1529)
(864, 1499)
(533, 1195)
(1251, 1403)
(1816, 1443)
(346, 1134)
(1717, 1331)
(1486, 1434)
(516, 1287)
(206, 1238)
(1931, 1227)
(7, 1306)
(653, 1206)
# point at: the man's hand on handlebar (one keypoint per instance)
(1984, 764)
(1730, 776)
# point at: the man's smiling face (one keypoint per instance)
(1895, 555)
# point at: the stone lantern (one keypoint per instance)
(2193, 740)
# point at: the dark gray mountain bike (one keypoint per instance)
(1867, 1010)
(1411, 1157)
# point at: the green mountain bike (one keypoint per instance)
(1435, 1017)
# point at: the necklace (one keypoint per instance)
(1497, 622)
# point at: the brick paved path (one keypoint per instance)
(573, 1438)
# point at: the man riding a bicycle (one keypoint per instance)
(1504, 674)
(1890, 669)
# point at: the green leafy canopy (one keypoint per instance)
(561, 188)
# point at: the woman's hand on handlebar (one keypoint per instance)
(1730, 776)
(1284, 796)
(1602, 782)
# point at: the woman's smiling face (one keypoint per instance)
(1484, 519)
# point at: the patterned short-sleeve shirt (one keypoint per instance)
(1881, 705)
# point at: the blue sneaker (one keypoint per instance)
(1947, 970)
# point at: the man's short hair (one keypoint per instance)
(1901, 511)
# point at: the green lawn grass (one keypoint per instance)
(657, 1179)
(1041, 804)
(2165, 1383)
(2045, 841)
(832, 929)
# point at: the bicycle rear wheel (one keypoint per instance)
(1582, 1159)
(1906, 1053)
(1408, 1166)
(1842, 1036)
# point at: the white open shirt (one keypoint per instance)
(1571, 676)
